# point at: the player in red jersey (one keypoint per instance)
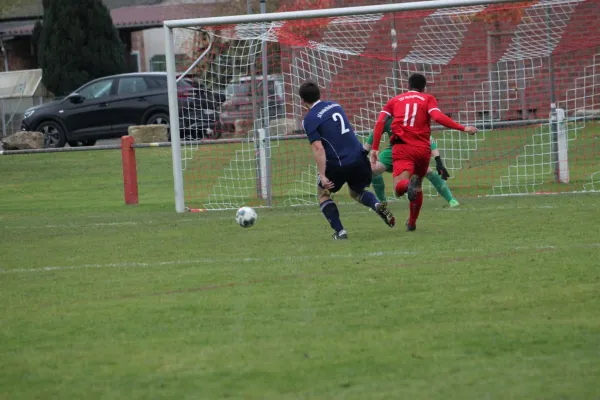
(411, 128)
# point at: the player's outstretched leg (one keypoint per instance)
(442, 187)
(414, 185)
(385, 214)
(379, 187)
(415, 196)
(415, 209)
(401, 187)
(332, 214)
(368, 199)
(384, 163)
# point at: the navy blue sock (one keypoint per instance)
(332, 215)
(368, 199)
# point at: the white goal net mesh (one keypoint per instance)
(498, 67)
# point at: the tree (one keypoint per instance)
(77, 43)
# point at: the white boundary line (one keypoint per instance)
(288, 259)
(205, 218)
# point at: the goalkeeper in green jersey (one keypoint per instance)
(384, 163)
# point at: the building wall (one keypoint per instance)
(154, 44)
(137, 44)
(151, 44)
(20, 55)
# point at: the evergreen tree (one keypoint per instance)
(77, 43)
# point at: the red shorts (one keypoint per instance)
(415, 160)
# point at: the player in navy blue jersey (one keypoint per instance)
(340, 158)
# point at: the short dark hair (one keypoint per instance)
(417, 82)
(309, 92)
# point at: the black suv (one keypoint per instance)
(105, 108)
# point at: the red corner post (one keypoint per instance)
(129, 170)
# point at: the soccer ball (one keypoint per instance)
(246, 217)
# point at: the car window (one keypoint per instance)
(271, 87)
(229, 91)
(242, 89)
(132, 85)
(97, 90)
(185, 84)
(156, 83)
(161, 83)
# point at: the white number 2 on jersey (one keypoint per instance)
(338, 116)
(407, 112)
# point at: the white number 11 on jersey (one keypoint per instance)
(414, 114)
(338, 116)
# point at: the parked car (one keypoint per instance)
(201, 91)
(238, 103)
(106, 107)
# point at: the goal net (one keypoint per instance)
(527, 74)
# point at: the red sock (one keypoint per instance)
(401, 187)
(415, 208)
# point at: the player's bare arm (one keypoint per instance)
(321, 161)
(448, 122)
(471, 130)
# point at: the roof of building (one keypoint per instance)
(33, 8)
(140, 17)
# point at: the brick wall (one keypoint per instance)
(458, 86)
(19, 55)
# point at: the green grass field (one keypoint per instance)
(498, 299)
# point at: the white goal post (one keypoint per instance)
(490, 63)
(268, 17)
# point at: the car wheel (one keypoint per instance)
(221, 128)
(213, 133)
(158, 119)
(86, 143)
(54, 135)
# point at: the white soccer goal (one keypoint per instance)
(524, 72)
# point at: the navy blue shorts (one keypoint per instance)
(357, 175)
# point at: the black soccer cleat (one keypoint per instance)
(414, 182)
(410, 228)
(341, 235)
(385, 214)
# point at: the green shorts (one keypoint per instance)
(385, 157)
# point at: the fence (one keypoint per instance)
(19, 90)
(13, 108)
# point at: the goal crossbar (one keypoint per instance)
(329, 12)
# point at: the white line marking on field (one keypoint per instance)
(94, 224)
(456, 209)
(205, 261)
(149, 222)
(281, 259)
(536, 247)
(207, 218)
